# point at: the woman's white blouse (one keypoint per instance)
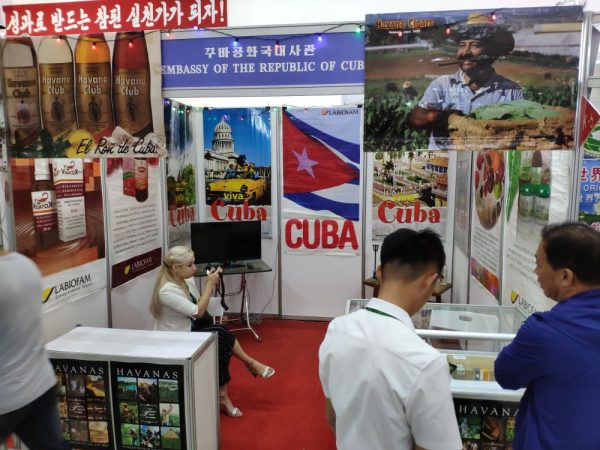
(176, 308)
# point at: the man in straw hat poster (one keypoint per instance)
(480, 43)
(479, 74)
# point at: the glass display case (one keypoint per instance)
(471, 336)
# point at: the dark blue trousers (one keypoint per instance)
(36, 424)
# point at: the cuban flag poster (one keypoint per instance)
(321, 180)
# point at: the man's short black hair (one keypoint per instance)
(574, 246)
(407, 253)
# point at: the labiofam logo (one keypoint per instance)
(516, 299)
(340, 112)
(67, 287)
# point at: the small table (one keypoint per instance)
(438, 290)
(241, 268)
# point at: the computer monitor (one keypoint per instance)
(224, 243)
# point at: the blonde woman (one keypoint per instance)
(176, 301)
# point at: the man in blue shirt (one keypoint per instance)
(556, 354)
(480, 44)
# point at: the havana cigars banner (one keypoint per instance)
(321, 180)
(70, 97)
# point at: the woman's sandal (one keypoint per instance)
(234, 412)
(266, 373)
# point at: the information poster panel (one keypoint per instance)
(537, 194)
(589, 181)
(183, 125)
(59, 224)
(135, 218)
(589, 194)
(463, 201)
(148, 400)
(410, 190)
(84, 403)
(486, 224)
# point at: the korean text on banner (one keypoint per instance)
(97, 16)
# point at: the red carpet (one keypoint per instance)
(285, 411)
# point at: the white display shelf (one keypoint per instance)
(150, 372)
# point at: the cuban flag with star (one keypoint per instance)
(321, 162)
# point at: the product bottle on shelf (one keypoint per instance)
(43, 205)
(541, 204)
(69, 185)
(21, 90)
(526, 194)
(93, 85)
(129, 176)
(536, 167)
(525, 168)
(131, 84)
(141, 179)
(57, 86)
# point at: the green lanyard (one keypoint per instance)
(376, 311)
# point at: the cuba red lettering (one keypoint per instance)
(237, 212)
(348, 235)
(329, 234)
(306, 231)
(289, 240)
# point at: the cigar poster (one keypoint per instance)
(59, 224)
(84, 403)
(183, 133)
(321, 180)
(237, 166)
(148, 400)
(427, 87)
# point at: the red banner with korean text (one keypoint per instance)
(98, 16)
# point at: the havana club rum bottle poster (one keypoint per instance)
(84, 402)
(148, 400)
(88, 95)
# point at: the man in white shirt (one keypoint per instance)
(27, 398)
(385, 388)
